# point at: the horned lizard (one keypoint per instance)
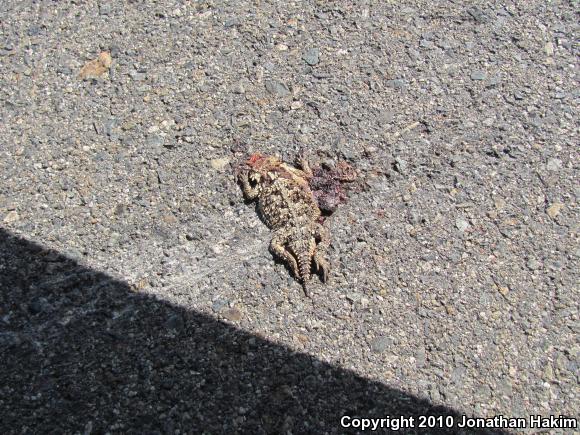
(288, 208)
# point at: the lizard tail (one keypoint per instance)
(304, 264)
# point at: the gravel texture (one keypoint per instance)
(138, 293)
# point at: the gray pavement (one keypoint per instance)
(138, 294)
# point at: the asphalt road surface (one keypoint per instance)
(137, 291)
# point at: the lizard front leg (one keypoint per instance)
(278, 248)
(322, 237)
(302, 163)
(250, 192)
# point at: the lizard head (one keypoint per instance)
(260, 165)
(260, 162)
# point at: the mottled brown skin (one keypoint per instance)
(288, 207)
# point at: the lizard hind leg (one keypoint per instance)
(278, 249)
(322, 236)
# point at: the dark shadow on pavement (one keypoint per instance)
(82, 352)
